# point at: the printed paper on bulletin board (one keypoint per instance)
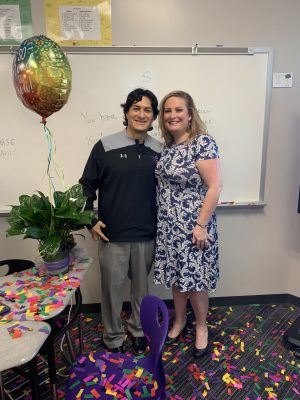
(15, 21)
(79, 22)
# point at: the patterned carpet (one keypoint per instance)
(246, 361)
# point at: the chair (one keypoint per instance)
(59, 325)
(108, 375)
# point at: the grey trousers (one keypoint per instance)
(117, 262)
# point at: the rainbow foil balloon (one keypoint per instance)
(42, 75)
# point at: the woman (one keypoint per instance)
(189, 186)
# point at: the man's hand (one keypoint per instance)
(96, 232)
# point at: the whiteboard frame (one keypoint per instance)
(194, 50)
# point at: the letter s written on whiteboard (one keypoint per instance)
(146, 76)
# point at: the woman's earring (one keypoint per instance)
(189, 125)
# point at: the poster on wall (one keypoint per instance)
(15, 21)
(78, 22)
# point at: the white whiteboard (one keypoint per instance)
(231, 91)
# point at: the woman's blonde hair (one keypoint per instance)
(196, 125)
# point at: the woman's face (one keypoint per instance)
(176, 116)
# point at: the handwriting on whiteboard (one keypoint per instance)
(7, 146)
(93, 118)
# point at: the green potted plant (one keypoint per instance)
(51, 224)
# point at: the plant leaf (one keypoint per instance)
(36, 218)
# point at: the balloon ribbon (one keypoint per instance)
(52, 163)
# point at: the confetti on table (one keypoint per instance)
(35, 293)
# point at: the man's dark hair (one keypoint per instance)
(135, 96)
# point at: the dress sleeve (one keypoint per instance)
(205, 148)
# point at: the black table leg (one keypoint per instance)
(51, 364)
(34, 379)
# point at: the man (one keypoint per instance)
(121, 167)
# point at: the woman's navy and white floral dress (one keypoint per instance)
(180, 195)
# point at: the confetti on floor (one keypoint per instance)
(246, 358)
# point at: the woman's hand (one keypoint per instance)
(201, 238)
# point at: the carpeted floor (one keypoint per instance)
(246, 361)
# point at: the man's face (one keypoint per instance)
(140, 116)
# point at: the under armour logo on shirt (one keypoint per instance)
(123, 155)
